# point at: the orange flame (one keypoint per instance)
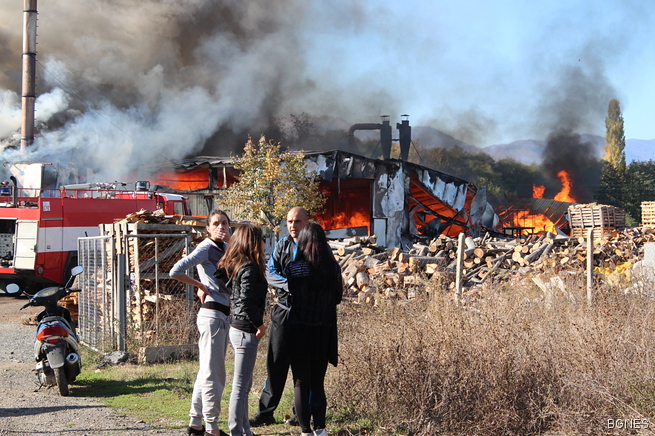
(538, 191)
(565, 194)
(344, 220)
(195, 179)
(538, 222)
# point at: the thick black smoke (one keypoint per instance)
(571, 153)
(576, 102)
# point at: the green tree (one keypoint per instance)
(270, 183)
(613, 176)
(615, 137)
(640, 186)
(506, 179)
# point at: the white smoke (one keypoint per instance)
(127, 87)
(10, 114)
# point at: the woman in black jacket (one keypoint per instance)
(310, 338)
(242, 267)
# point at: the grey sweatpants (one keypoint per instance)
(210, 381)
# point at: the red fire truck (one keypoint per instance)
(39, 227)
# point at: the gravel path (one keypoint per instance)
(24, 411)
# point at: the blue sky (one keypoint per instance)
(494, 68)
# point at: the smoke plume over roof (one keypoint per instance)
(125, 86)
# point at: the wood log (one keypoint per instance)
(348, 249)
(536, 255)
(433, 268)
(345, 259)
(416, 263)
(383, 266)
(368, 251)
(421, 250)
(370, 262)
(363, 279)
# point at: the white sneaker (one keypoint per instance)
(321, 432)
(307, 434)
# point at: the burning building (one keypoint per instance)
(393, 199)
(570, 159)
(539, 214)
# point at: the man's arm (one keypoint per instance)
(275, 275)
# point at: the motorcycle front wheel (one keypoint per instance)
(62, 382)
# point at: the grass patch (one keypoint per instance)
(161, 393)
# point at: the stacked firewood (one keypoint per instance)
(371, 272)
(159, 217)
(71, 302)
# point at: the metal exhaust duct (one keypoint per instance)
(404, 137)
(385, 135)
(29, 74)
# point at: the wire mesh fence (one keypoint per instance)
(127, 299)
(98, 317)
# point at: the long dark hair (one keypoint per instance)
(315, 249)
(245, 246)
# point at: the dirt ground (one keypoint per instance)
(24, 410)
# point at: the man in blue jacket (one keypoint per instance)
(277, 363)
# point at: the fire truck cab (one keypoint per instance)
(39, 227)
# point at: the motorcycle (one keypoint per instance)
(56, 348)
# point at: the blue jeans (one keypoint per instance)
(245, 353)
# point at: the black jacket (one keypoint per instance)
(248, 298)
(311, 329)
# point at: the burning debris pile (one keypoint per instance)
(371, 272)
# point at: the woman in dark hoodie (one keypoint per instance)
(310, 338)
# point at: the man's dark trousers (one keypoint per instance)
(277, 363)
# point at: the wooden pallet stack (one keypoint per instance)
(648, 213)
(600, 218)
(142, 238)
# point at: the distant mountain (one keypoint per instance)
(639, 149)
(530, 151)
(525, 151)
(429, 137)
